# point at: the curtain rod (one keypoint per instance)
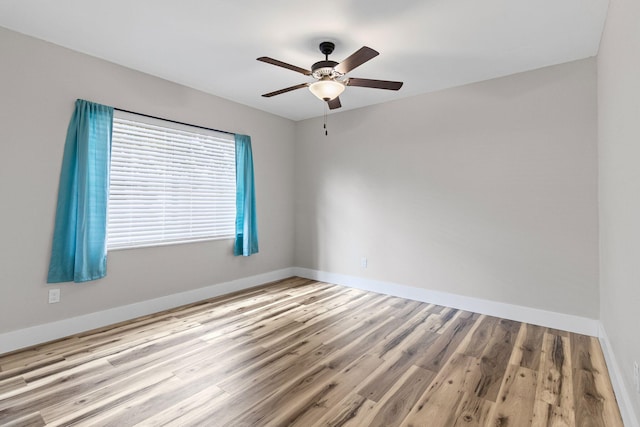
(173, 121)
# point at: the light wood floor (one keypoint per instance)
(305, 353)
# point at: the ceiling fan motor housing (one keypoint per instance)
(324, 69)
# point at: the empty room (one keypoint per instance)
(356, 213)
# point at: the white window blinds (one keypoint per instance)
(169, 183)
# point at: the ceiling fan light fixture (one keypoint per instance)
(330, 75)
(326, 89)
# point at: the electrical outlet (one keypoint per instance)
(636, 376)
(54, 296)
(363, 262)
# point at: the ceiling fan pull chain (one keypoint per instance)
(326, 132)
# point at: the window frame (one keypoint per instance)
(226, 144)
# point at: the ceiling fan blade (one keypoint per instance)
(334, 103)
(356, 59)
(377, 84)
(285, 90)
(284, 65)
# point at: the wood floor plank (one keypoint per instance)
(528, 349)
(16, 368)
(337, 304)
(144, 404)
(12, 384)
(353, 411)
(406, 334)
(339, 386)
(135, 348)
(193, 411)
(264, 373)
(554, 400)
(478, 337)
(408, 307)
(516, 398)
(79, 408)
(437, 354)
(41, 394)
(445, 317)
(495, 357)
(65, 388)
(304, 353)
(590, 386)
(398, 401)
(29, 420)
(437, 406)
(386, 376)
(312, 383)
(472, 411)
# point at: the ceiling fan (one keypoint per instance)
(330, 75)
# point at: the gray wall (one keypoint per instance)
(39, 83)
(619, 168)
(487, 190)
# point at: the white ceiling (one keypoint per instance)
(212, 45)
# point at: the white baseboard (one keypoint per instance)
(549, 319)
(34, 335)
(622, 393)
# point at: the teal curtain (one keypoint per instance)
(246, 223)
(79, 251)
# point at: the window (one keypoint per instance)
(169, 183)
